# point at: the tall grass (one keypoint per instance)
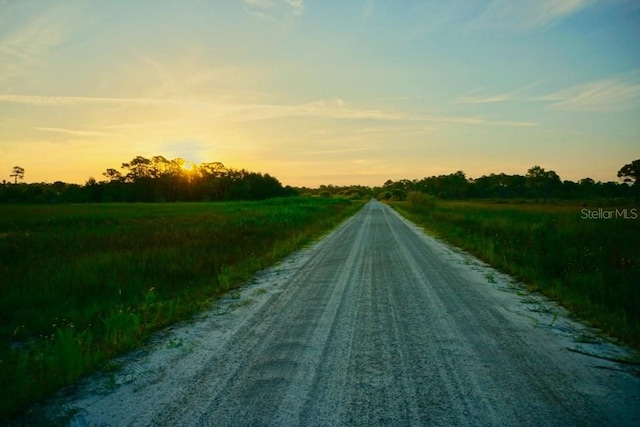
(82, 283)
(592, 266)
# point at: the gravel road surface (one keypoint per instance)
(376, 324)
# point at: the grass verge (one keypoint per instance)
(83, 283)
(586, 260)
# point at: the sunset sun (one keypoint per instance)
(188, 167)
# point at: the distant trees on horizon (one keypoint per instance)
(17, 173)
(537, 183)
(155, 179)
(158, 179)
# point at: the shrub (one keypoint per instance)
(420, 201)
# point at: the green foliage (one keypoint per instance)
(542, 183)
(153, 180)
(17, 173)
(630, 172)
(537, 184)
(421, 202)
(354, 192)
(116, 272)
(590, 265)
(384, 196)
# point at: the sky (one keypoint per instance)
(321, 91)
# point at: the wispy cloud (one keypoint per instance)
(510, 15)
(481, 121)
(54, 101)
(25, 48)
(479, 96)
(510, 123)
(338, 109)
(297, 6)
(367, 11)
(529, 14)
(396, 130)
(329, 109)
(339, 151)
(485, 99)
(273, 9)
(611, 94)
(74, 132)
(335, 108)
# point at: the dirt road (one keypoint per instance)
(377, 324)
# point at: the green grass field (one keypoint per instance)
(83, 283)
(582, 256)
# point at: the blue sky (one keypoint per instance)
(320, 91)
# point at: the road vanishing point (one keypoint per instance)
(375, 324)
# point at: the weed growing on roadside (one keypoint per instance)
(491, 277)
(555, 318)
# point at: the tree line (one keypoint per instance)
(155, 179)
(158, 179)
(537, 183)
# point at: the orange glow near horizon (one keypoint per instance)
(188, 167)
